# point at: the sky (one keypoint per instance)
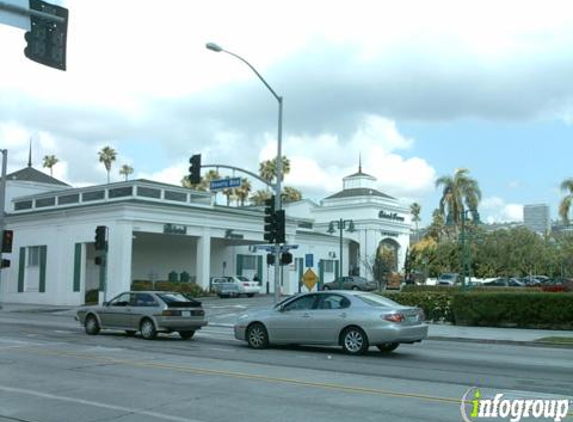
(417, 89)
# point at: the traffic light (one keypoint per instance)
(286, 258)
(99, 260)
(47, 38)
(270, 231)
(101, 238)
(5, 263)
(280, 226)
(270, 259)
(7, 238)
(195, 169)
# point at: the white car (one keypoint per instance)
(245, 286)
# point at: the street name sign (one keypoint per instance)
(233, 182)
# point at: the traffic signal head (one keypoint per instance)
(5, 263)
(286, 258)
(7, 238)
(46, 40)
(270, 220)
(101, 238)
(195, 169)
(280, 226)
(270, 259)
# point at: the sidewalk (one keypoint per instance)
(436, 331)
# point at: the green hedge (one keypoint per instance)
(190, 289)
(456, 289)
(534, 310)
(492, 309)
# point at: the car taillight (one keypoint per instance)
(246, 284)
(169, 312)
(394, 317)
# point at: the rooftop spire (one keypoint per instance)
(30, 154)
(359, 162)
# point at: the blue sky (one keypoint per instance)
(418, 88)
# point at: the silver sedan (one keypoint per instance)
(148, 312)
(351, 319)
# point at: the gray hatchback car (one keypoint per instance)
(354, 320)
(148, 312)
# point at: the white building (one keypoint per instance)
(537, 218)
(156, 229)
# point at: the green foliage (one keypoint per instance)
(190, 289)
(436, 305)
(532, 310)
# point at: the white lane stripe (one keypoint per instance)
(97, 404)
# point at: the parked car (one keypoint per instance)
(244, 285)
(448, 279)
(351, 283)
(148, 312)
(226, 290)
(505, 282)
(352, 319)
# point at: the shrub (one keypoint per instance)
(533, 310)
(436, 305)
(190, 289)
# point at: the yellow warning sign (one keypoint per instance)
(309, 279)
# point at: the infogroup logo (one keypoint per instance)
(512, 409)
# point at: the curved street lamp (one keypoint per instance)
(278, 203)
(341, 224)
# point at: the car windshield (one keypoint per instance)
(174, 299)
(360, 280)
(241, 278)
(376, 300)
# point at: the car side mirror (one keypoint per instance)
(280, 308)
(105, 303)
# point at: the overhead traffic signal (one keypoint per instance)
(286, 258)
(280, 226)
(5, 263)
(101, 238)
(47, 38)
(7, 238)
(270, 259)
(195, 169)
(270, 228)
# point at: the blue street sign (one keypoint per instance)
(308, 260)
(233, 182)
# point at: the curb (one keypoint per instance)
(530, 343)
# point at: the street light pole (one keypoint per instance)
(279, 164)
(341, 226)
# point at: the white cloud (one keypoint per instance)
(496, 210)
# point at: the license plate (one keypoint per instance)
(186, 313)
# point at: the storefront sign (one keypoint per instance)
(174, 229)
(230, 235)
(390, 216)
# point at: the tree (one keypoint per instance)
(50, 161)
(260, 196)
(436, 230)
(229, 193)
(125, 171)
(205, 181)
(565, 204)
(107, 155)
(415, 210)
(459, 192)
(291, 194)
(268, 169)
(242, 192)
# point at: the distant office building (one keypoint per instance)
(537, 218)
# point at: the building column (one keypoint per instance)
(119, 259)
(203, 271)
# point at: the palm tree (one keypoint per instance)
(125, 171)
(260, 196)
(291, 194)
(229, 193)
(205, 181)
(565, 204)
(107, 155)
(459, 192)
(268, 169)
(50, 161)
(243, 191)
(415, 210)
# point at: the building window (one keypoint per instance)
(23, 205)
(93, 196)
(328, 265)
(33, 256)
(148, 192)
(175, 196)
(249, 262)
(120, 192)
(45, 202)
(69, 199)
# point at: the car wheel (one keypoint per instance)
(250, 294)
(354, 341)
(325, 288)
(91, 325)
(257, 336)
(148, 331)
(354, 287)
(186, 335)
(130, 333)
(387, 347)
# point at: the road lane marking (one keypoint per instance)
(128, 410)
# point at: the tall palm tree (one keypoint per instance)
(565, 204)
(260, 196)
(268, 169)
(291, 194)
(229, 193)
(125, 171)
(107, 155)
(50, 161)
(415, 210)
(459, 192)
(203, 185)
(242, 192)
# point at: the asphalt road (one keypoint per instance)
(51, 371)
